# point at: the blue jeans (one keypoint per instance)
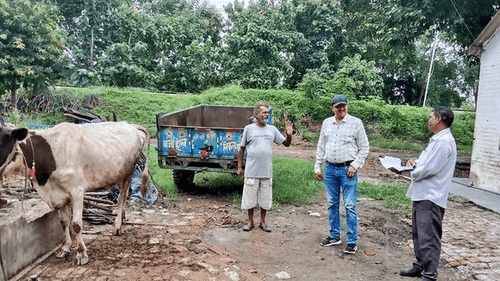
(335, 179)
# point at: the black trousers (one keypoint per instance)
(427, 228)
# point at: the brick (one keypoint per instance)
(454, 263)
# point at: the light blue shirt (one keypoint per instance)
(431, 178)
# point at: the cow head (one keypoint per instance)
(8, 139)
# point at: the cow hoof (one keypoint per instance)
(62, 254)
(82, 260)
(117, 231)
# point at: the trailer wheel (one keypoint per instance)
(183, 179)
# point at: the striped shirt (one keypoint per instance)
(341, 142)
(431, 178)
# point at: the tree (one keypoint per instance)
(31, 45)
(389, 32)
(319, 22)
(86, 22)
(260, 44)
(464, 19)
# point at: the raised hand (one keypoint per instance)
(288, 124)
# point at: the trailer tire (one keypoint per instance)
(183, 179)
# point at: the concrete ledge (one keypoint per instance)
(23, 242)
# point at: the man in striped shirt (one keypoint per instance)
(343, 146)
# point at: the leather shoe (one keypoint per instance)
(411, 272)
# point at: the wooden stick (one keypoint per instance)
(106, 208)
(104, 201)
(97, 193)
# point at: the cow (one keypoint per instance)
(68, 160)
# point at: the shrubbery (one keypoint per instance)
(389, 126)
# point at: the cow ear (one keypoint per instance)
(20, 134)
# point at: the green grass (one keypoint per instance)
(395, 143)
(294, 182)
(393, 196)
(24, 120)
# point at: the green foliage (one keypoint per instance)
(31, 45)
(139, 107)
(320, 24)
(463, 129)
(356, 78)
(83, 77)
(257, 48)
(394, 120)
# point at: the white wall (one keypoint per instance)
(485, 160)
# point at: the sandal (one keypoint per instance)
(247, 227)
(265, 228)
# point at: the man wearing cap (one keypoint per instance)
(343, 146)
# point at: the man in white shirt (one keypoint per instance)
(343, 145)
(430, 182)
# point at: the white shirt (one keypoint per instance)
(341, 142)
(431, 178)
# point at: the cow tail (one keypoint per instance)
(145, 171)
(145, 179)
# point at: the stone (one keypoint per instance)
(480, 277)
(369, 253)
(282, 275)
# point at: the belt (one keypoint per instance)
(343, 164)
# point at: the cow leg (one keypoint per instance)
(122, 201)
(81, 250)
(64, 217)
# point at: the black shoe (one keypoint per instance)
(411, 272)
(351, 249)
(330, 242)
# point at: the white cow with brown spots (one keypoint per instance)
(68, 160)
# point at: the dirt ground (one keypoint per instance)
(198, 237)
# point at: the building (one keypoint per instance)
(485, 159)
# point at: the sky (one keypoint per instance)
(220, 3)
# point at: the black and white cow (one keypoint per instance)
(68, 160)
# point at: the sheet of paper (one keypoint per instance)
(393, 162)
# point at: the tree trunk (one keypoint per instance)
(91, 63)
(13, 97)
